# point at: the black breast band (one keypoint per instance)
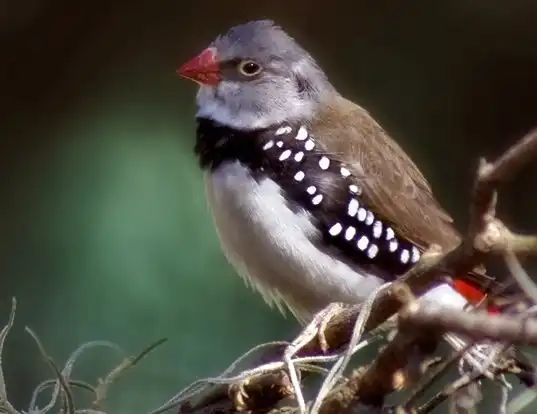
(312, 180)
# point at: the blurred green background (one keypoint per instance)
(104, 230)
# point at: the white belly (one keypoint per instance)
(269, 245)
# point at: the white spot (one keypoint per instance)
(370, 218)
(349, 233)
(389, 233)
(324, 163)
(286, 154)
(372, 251)
(353, 207)
(405, 255)
(279, 144)
(299, 176)
(283, 130)
(345, 172)
(377, 229)
(354, 188)
(268, 145)
(302, 134)
(317, 199)
(309, 145)
(415, 254)
(393, 245)
(335, 229)
(361, 214)
(311, 189)
(362, 243)
(298, 156)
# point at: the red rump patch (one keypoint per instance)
(472, 294)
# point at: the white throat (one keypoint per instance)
(247, 118)
(223, 114)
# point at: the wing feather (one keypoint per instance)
(393, 186)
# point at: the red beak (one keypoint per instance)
(203, 69)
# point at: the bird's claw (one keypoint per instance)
(315, 329)
(322, 319)
(238, 394)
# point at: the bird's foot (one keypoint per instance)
(316, 329)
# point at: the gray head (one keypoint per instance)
(256, 75)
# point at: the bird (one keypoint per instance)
(312, 200)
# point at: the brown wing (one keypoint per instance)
(392, 184)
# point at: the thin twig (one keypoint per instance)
(72, 383)
(69, 407)
(511, 161)
(519, 274)
(4, 401)
(66, 373)
(126, 364)
(492, 175)
(339, 367)
(446, 392)
(438, 371)
(521, 401)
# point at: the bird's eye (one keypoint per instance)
(249, 68)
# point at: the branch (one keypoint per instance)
(388, 373)
(490, 176)
(478, 325)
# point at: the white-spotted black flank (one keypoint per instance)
(312, 180)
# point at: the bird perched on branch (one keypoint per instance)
(313, 202)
